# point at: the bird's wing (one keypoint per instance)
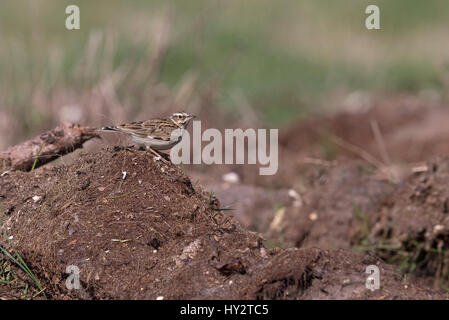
(159, 129)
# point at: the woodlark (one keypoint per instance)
(156, 134)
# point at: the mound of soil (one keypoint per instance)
(253, 206)
(412, 228)
(138, 229)
(402, 121)
(337, 200)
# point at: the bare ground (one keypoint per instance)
(140, 229)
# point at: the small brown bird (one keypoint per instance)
(156, 134)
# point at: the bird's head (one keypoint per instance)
(182, 119)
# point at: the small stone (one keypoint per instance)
(313, 216)
(160, 298)
(438, 228)
(231, 177)
(263, 253)
(36, 198)
(292, 193)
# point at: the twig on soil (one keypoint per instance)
(121, 240)
(46, 147)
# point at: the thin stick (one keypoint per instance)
(380, 142)
(365, 155)
(357, 150)
(158, 155)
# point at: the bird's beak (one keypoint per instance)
(192, 116)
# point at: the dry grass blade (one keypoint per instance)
(380, 142)
(365, 155)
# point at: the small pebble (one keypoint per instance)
(293, 194)
(438, 228)
(313, 216)
(231, 177)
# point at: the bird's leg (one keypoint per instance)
(157, 154)
(125, 148)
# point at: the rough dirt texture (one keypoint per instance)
(336, 201)
(140, 229)
(412, 225)
(153, 234)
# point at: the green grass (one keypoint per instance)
(211, 197)
(17, 259)
(362, 221)
(285, 57)
(36, 159)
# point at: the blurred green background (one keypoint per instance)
(279, 60)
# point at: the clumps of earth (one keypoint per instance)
(151, 233)
(137, 228)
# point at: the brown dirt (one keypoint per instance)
(157, 233)
(336, 200)
(403, 121)
(154, 234)
(411, 228)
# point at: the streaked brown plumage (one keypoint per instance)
(158, 134)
